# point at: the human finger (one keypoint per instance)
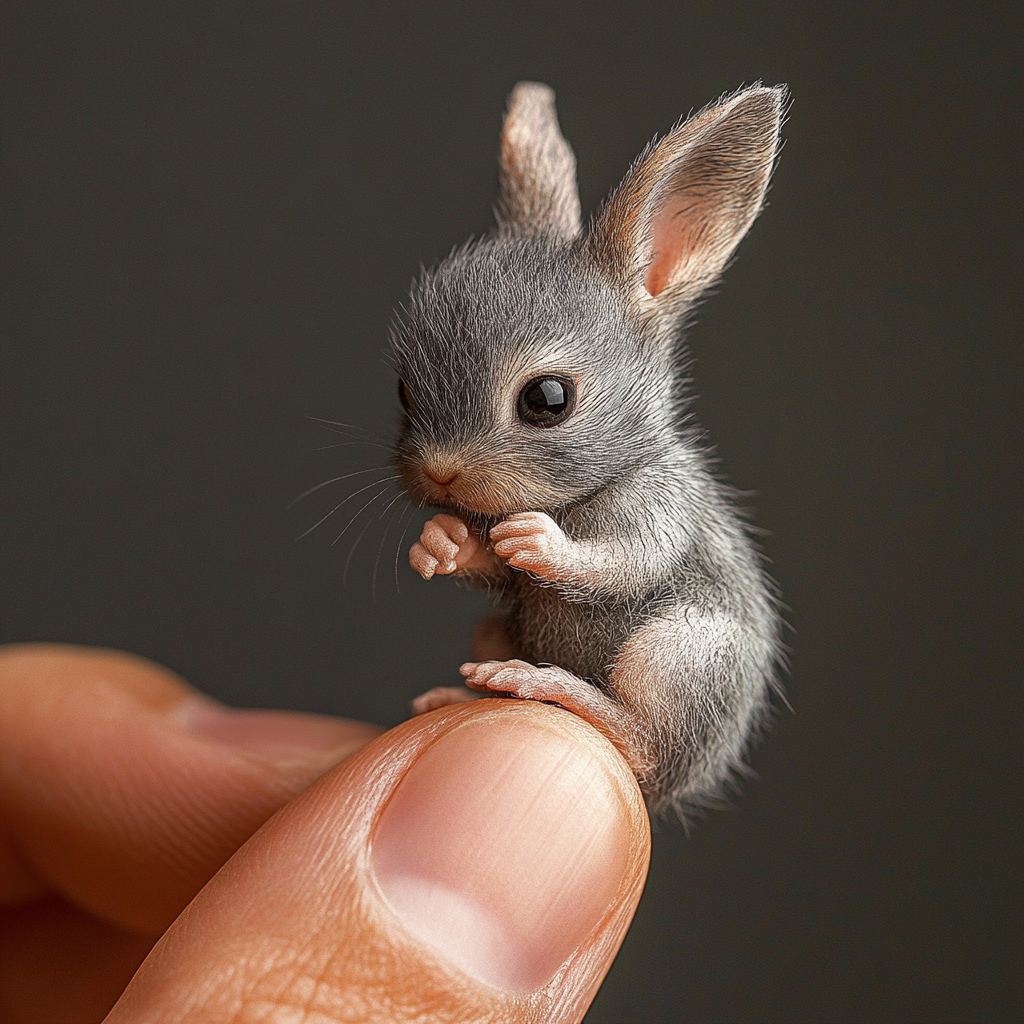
(122, 791)
(479, 863)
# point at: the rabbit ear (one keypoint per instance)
(668, 230)
(538, 169)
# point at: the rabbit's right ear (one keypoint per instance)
(537, 168)
(668, 230)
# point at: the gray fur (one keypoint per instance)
(663, 608)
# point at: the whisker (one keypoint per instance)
(384, 537)
(358, 472)
(347, 444)
(401, 541)
(362, 532)
(359, 513)
(376, 483)
(347, 426)
(355, 437)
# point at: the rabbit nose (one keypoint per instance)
(442, 477)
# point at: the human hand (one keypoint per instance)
(480, 863)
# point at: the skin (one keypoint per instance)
(114, 816)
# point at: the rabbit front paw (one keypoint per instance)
(446, 546)
(531, 541)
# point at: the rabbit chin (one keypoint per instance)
(491, 497)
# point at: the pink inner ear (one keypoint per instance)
(675, 230)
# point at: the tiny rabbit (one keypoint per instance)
(544, 389)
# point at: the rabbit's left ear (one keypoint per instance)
(537, 168)
(668, 230)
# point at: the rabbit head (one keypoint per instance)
(540, 363)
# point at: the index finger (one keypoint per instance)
(124, 790)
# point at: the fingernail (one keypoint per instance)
(503, 848)
(273, 735)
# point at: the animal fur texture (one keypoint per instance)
(632, 592)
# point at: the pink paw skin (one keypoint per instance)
(531, 541)
(441, 697)
(554, 685)
(515, 677)
(447, 546)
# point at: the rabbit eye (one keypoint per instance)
(403, 396)
(547, 401)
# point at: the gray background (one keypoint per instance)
(210, 212)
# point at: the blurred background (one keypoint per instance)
(210, 212)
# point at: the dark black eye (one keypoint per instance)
(403, 396)
(547, 401)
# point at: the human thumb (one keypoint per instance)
(480, 863)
